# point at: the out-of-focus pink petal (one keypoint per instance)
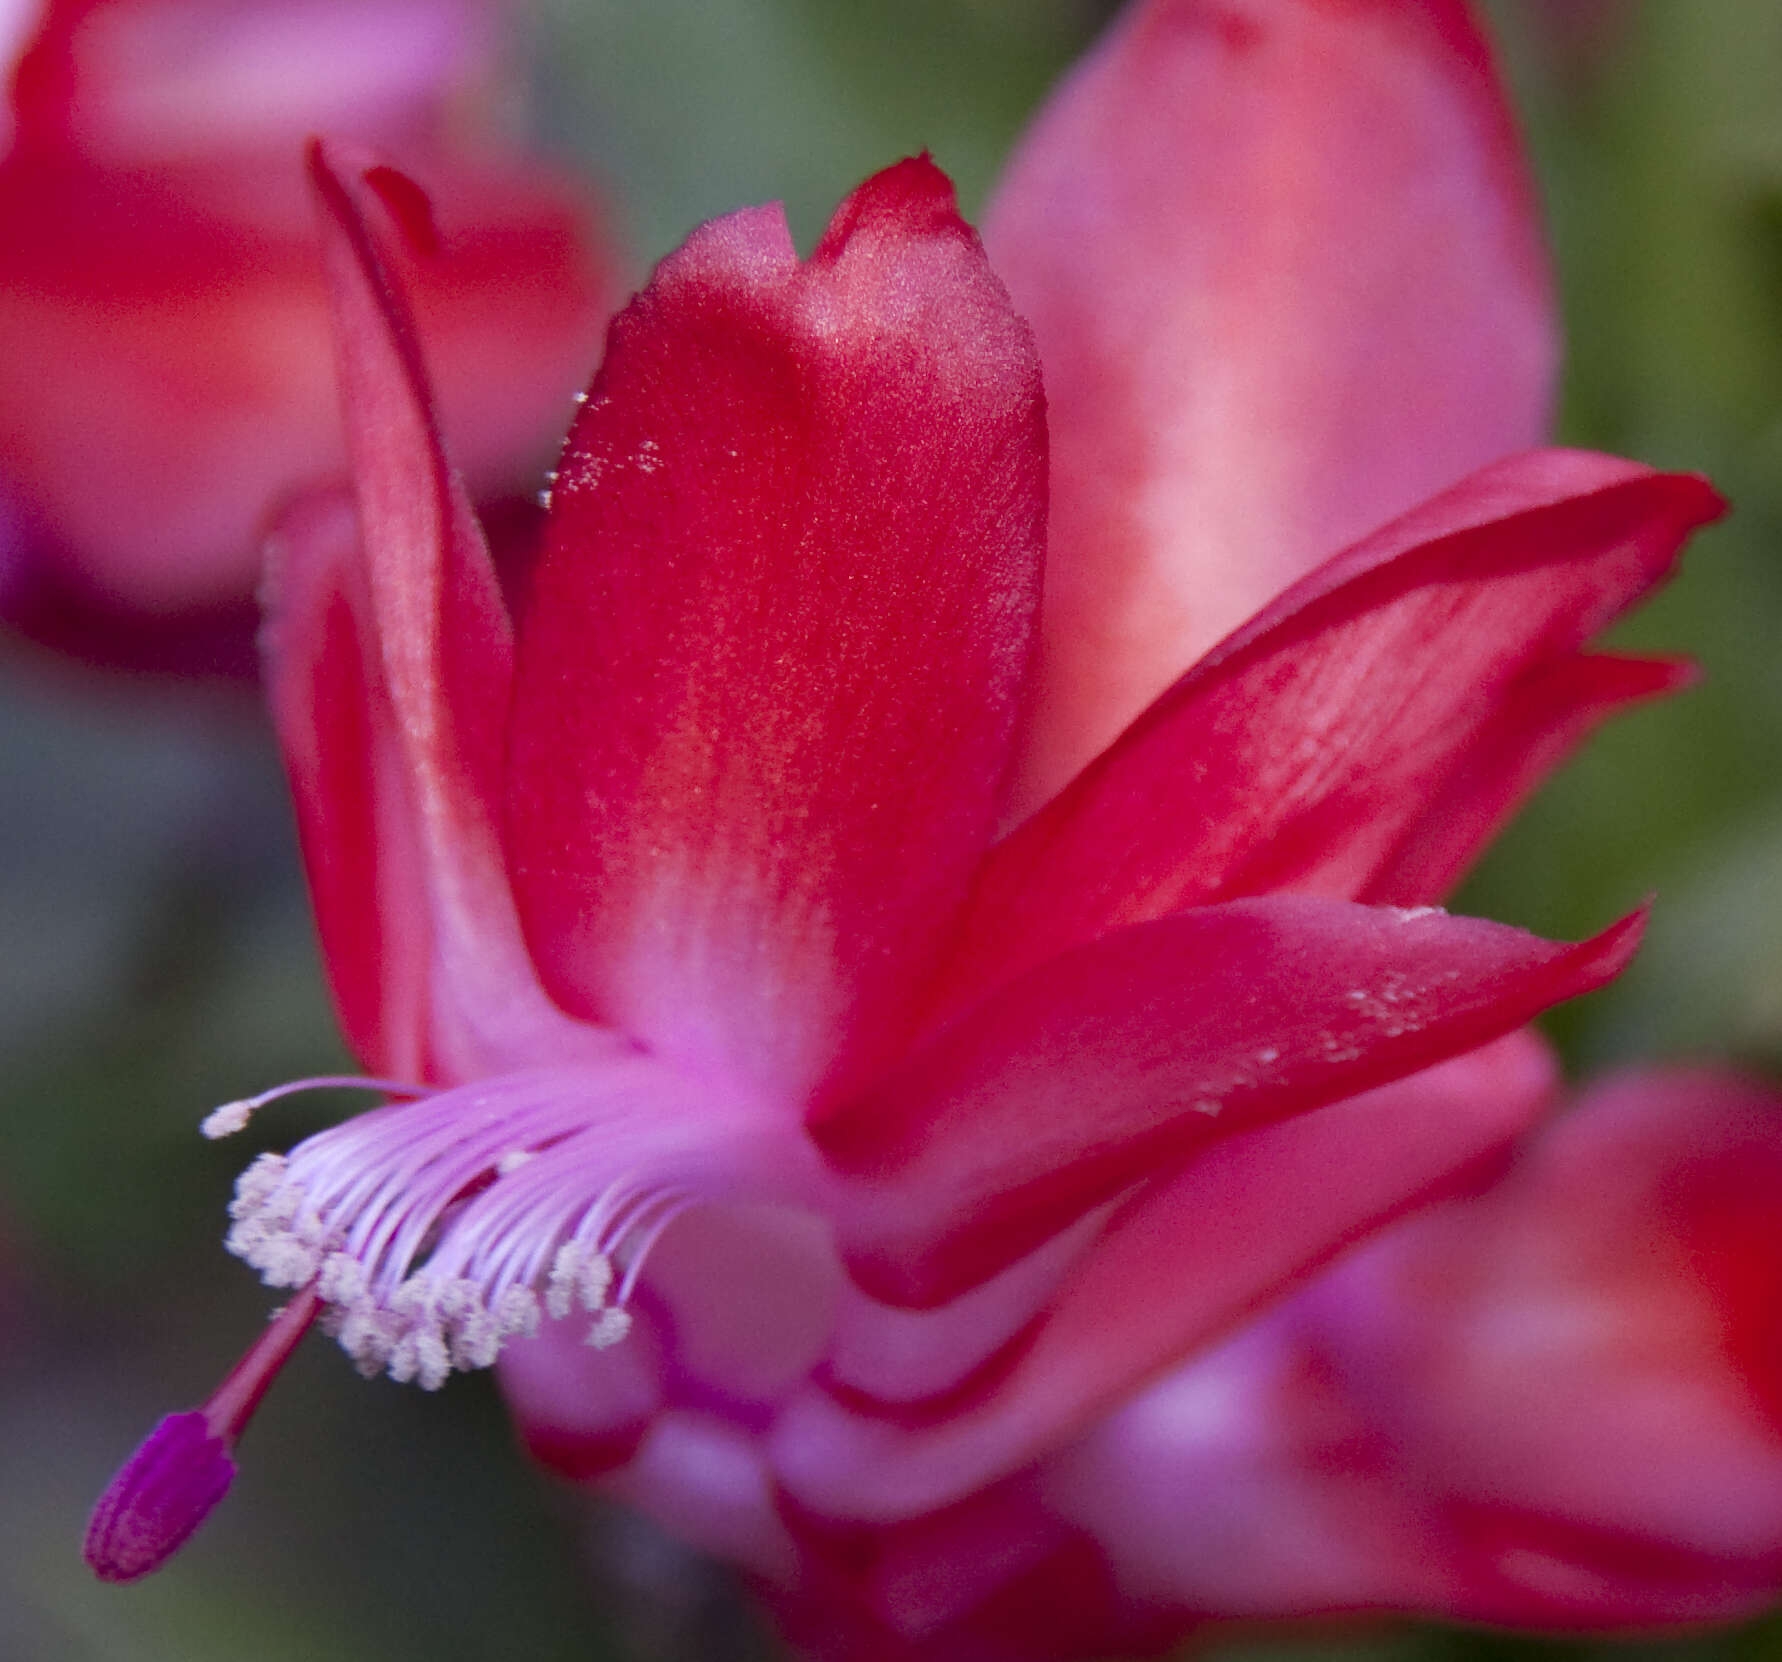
(1184, 1261)
(1581, 1370)
(582, 1412)
(398, 650)
(1531, 1407)
(771, 660)
(996, 1578)
(1140, 1050)
(151, 81)
(18, 20)
(1323, 743)
(1283, 266)
(165, 358)
(928, 1573)
(1243, 1484)
(706, 1482)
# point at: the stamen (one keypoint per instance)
(170, 1485)
(438, 1229)
(234, 1116)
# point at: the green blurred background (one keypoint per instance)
(156, 950)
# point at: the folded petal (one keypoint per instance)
(1282, 262)
(389, 662)
(1402, 696)
(1136, 1052)
(1185, 1259)
(775, 641)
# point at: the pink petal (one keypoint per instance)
(1410, 689)
(389, 664)
(1618, 1291)
(1282, 261)
(1138, 1051)
(776, 639)
(706, 1482)
(1185, 1260)
(582, 1412)
(166, 377)
(166, 80)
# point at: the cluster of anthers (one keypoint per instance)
(426, 1233)
(436, 1229)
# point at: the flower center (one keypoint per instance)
(426, 1233)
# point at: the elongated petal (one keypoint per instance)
(1181, 1264)
(770, 665)
(1282, 263)
(1410, 689)
(1136, 1052)
(355, 815)
(418, 716)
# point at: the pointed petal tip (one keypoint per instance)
(912, 195)
(407, 204)
(1604, 956)
(164, 1491)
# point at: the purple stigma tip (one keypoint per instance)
(164, 1491)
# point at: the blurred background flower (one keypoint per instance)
(165, 356)
(159, 956)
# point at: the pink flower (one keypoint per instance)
(164, 332)
(880, 1135)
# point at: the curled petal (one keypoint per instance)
(1282, 261)
(355, 815)
(389, 662)
(1368, 731)
(1541, 718)
(1179, 1265)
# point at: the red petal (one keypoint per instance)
(1132, 1054)
(1183, 1262)
(1282, 261)
(1542, 717)
(1408, 678)
(389, 662)
(339, 735)
(775, 642)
